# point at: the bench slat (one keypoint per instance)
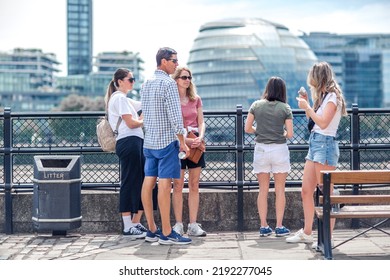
(356, 199)
(358, 176)
(360, 211)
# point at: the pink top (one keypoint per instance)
(190, 112)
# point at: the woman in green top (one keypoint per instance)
(273, 117)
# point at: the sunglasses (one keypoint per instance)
(185, 78)
(174, 60)
(131, 80)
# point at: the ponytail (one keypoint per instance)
(110, 90)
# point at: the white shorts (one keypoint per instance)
(271, 158)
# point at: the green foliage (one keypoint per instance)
(77, 129)
(76, 102)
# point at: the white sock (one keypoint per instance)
(127, 223)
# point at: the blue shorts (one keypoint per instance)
(163, 163)
(323, 149)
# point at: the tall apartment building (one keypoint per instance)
(27, 79)
(95, 83)
(27, 70)
(361, 63)
(107, 62)
(79, 32)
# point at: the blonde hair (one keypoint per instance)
(321, 80)
(191, 90)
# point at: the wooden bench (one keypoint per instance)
(356, 206)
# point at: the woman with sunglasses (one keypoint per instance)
(191, 106)
(129, 148)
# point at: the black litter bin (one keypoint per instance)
(57, 193)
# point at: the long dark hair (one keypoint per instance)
(275, 90)
(119, 74)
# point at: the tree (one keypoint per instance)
(76, 102)
(77, 129)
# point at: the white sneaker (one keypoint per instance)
(300, 237)
(195, 229)
(178, 228)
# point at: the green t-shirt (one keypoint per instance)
(270, 117)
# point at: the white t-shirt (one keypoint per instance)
(118, 106)
(331, 129)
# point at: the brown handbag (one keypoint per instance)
(196, 153)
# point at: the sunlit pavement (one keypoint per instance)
(215, 246)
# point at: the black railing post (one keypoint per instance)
(240, 169)
(355, 134)
(8, 171)
(355, 155)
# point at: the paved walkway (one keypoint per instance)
(373, 245)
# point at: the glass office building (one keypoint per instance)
(79, 31)
(361, 63)
(233, 59)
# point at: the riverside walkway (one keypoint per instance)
(373, 245)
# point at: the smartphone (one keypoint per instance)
(302, 92)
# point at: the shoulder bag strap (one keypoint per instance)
(119, 119)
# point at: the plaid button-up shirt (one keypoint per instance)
(162, 111)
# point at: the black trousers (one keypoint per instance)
(132, 161)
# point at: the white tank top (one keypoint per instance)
(331, 129)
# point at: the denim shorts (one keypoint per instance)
(323, 149)
(269, 158)
(163, 163)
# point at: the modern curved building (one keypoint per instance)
(232, 60)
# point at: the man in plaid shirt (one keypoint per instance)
(164, 138)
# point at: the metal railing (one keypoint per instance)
(364, 137)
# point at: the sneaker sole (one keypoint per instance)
(300, 241)
(282, 234)
(151, 239)
(171, 242)
(139, 236)
(265, 234)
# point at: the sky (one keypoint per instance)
(144, 26)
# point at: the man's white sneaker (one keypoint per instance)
(195, 229)
(300, 237)
(178, 228)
